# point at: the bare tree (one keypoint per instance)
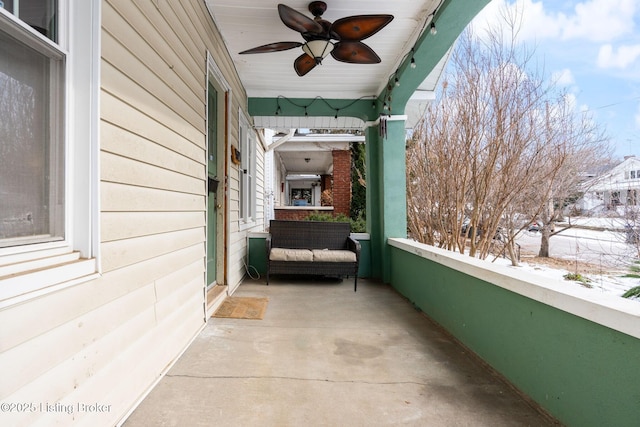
(494, 151)
(577, 142)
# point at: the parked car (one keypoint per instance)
(535, 226)
(466, 225)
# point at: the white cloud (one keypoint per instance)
(563, 77)
(622, 58)
(592, 20)
(599, 20)
(637, 117)
(533, 20)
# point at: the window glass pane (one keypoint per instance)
(39, 14)
(31, 149)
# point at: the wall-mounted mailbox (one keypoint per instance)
(236, 156)
(212, 184)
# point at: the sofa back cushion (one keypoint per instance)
(309, 234)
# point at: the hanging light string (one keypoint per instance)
(305, 107)
(432, 24)
(394, 79)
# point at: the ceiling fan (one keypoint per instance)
(319, 33)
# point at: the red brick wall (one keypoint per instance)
(291, 214)
(341, 181)
(325, 182)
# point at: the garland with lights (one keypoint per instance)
(320, 99)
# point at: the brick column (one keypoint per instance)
(325, 182)
(341, 181)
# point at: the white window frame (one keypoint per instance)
(29, 271)
(247, 172)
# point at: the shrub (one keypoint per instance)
(357, 226)
(633, 293)
(577, 277)
(317, 216)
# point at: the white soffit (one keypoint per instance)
(245, 24)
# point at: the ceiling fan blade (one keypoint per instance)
(303, 64)
(297, 21)
(354, 52)
(272, 47)
(359, 27)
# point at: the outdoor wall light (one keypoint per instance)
(318, 49)
(433, 30)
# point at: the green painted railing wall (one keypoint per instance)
(258, 256)
(582, 373)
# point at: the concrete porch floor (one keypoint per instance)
(326, 356)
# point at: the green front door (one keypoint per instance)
(212, 199)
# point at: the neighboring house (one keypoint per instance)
(306, 166)
(132, 170)
(618, 187)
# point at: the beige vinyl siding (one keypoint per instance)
(238, 246)
(107, 340)
(260, 180)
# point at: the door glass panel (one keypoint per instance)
(212, 146)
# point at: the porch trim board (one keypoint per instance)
(573, 353)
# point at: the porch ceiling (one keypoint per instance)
(312, 154)
(245, 24)
(337, 94)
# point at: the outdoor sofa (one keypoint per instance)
(312, 248)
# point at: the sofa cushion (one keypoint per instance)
(284, 254)
(332, 255)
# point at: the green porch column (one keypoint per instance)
(386, 192)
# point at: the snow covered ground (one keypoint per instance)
(606, 282)
(603, 257)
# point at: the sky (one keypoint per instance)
(592, 49)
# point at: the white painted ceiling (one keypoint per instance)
(245, 24)
(312, 154)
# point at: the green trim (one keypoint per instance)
(374, 192)
(258, 254)
(451, 19)
(386, 195)
(583, 373)
(294, 107)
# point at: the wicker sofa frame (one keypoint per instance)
(312, 235)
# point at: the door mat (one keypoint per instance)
(242, 308)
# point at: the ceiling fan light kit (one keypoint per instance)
(318, 34)
(318, 49)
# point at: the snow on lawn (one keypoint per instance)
(609, 223)
(601, 256)
(611, 283)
